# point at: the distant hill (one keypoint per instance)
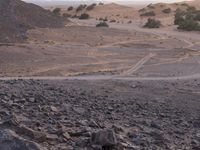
(17, 17)
(165, 12)
(111, 11)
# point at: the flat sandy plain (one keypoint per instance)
(123, 49)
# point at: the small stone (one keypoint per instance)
(104, 138)
(79, 110)
(32, 99)
(66, 135)
(54, 109)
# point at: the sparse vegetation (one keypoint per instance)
(80, 8)
(91, 7)
(151, 6)
(57, 11)
(189, 25)
(102, 24)
(147, 14)
(185, 4)
(84, 16)
(167, 10)
(152, 23)
(113, 20)
(188, 20)
(70, 8)
(142, 10)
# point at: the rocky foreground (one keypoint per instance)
(99, 115)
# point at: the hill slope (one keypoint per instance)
(17, 17)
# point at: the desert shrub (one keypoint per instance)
(102, 24)
(150, 13)
(129, 22)
(84, 16)
(142, 10)
(91, 7)
(191, 9)
(189, 25)
(185, 4)
(151, 6)
(179, 16)
(80, 8)
(188, 20)
(197, 17)
(113, 20)
(152, 23)
(57, 11)
(70, 8)
(167, 10)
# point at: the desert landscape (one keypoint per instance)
(99, 76)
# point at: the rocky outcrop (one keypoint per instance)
(9, 140)
(17, 17)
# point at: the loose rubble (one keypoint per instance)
(99, 115)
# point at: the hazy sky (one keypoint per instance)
(113, 0)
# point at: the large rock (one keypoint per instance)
(104, 138)
(9, 140)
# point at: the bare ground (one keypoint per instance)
(143, 114)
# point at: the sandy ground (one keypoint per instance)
(123, 49)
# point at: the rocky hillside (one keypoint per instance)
(112, 115)
(17, 16)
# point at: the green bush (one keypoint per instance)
(150, 13)
(188, 20)
(197, 17)
(189, 25)
(102, 24)
(179, 16)
(152, 23)
(191, 9)
(57, 11)
(167, 10)
(84, 16)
